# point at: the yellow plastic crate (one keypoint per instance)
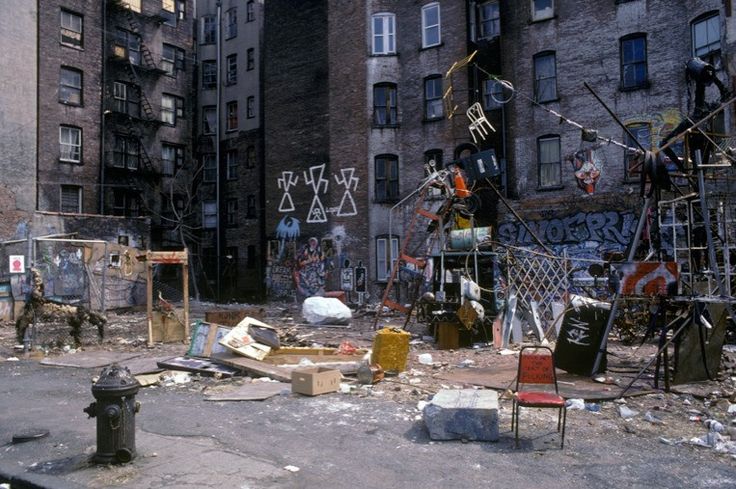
(391, 349)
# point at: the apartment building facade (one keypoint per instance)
(229, 145)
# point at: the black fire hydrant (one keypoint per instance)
(115, 409)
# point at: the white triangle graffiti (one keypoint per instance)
(316, 211)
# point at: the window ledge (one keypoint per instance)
(72, 46)
(433, 46)
(642, 86)
(385, 126)
(433, 119)
(543, 102)
(539, 21)
(70, 104)
(383, 55)
(70, 162)
(550, 188)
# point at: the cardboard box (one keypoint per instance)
(315, 380)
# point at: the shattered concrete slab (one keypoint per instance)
(463, 414)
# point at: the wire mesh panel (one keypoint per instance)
(63, 268)
(536, 277)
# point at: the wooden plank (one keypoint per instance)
(149, 300)
(260, 369)
(255, 391)
(168, 257)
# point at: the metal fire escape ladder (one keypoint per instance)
(414, 265)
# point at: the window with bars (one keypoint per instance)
(70, 144)
(385, 107)
(384, 33)
(70, 86)
(386, 171)
(71, 199)
(72, 33)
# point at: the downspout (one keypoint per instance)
(103, 70)
(217, 144)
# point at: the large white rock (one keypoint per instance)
(325, 310)
(462, 414)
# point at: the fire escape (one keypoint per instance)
(132, 122)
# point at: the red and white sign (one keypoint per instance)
(17, 263)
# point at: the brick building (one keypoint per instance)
(353, 110)
(229, 132)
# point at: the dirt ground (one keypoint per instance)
(700, 415)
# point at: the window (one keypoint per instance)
(127, 45)
(70, 144)
(209, 74)
(231, 160)
(387, 178)
(70, 86)
(209, 165)
(706, 38)
(231, 211)
(643, 133)
(209, 119)
(71, 29)
(489, 20)
(385, 257)
(125, 203)
(232, 69)
(385, 105)
(433, 158)
(433, 108)
(232, 22)
(172, 158)
(251, 209)
(209, 214)
(172, 59)
(168, 11)
(126, 99)
(250, 157)
(126, 152)
(251, 107)
(493, 95)
(209, 29)
(634, 61)
(384, 34)
(172, 108)
(543, 9)
(431, 25)
(231, 123)
(250, 59)
(181, 9)
(550, 165)
(250, 14)
(134, 5)
(71, 199)
(545, 77)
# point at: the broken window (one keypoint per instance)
(386, 178)
(209, 119)
(384, 33)
(545, 77)
(384, 104)
(634, 61)
(433, 108)
(550, 165)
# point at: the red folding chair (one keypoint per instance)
(537, 370)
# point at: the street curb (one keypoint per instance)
(19, 479)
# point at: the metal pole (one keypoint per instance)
(104, 281)
(217, 147)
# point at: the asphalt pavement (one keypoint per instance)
(328, 441)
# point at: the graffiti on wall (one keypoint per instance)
(316, 178)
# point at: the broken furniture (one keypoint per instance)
(538, 369)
